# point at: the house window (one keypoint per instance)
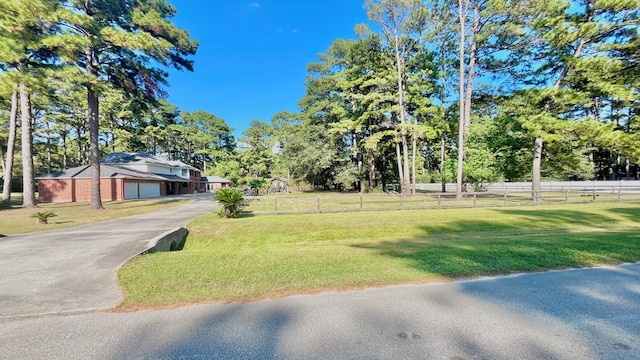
(184, 172)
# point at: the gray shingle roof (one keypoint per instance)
(106, 171)
(114, 166)
(142, 158)
(215, 179)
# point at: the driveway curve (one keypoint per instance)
(74, 269)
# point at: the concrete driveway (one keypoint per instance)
(74, 269)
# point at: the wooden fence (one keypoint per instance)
(285, 204)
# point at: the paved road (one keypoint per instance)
(572, 314)
(74, 269)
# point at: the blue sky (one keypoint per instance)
(252, 58)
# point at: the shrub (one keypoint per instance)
(43, 216)
(232, 201)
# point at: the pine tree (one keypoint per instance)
(117, 42)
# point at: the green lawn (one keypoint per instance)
(265, 256)
(18, 221)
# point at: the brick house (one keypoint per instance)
(123, 176)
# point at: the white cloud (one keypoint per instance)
(254, 5)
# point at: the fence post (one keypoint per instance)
(505, 197)
(318, 204)
(566, 197)
(439, 207)
(619, 194)
(275, 204)
(401, 204)
(474, 199)
(360, 202)
(593, 194)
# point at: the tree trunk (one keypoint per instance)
(443, 119)
(360, 171)
(11, 144)
(405, 183)
(461, 105)
(48, 148)
(414, 143)
(28, 188)
(94, 132)
(64, 148)
(399, 157)
(536, 186)
(442, 160)
(470, 73)
(371, 164)
(94, 149)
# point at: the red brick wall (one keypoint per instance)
(196, 179)
(56, 190)
(71, 190)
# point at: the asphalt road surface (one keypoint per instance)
(571, 314)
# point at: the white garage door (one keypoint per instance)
(130, 190)
(149, 190)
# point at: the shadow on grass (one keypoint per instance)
(570, 217)
(531, 242)
(632, 214)
(524, 222)
(62, 222)
(513, 254)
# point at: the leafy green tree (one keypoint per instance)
(257, 156)
(309, 154)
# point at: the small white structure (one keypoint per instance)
(213, 183)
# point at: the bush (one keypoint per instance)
(43, 216)
(232, 201)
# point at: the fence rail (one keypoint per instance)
(284, 204)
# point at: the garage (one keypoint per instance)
(131, 190)
(149, 190)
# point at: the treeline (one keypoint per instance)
(468, 91)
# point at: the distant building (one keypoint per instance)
(213, 183)
(123, 176)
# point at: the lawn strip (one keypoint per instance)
(276, 255)
(18, 221)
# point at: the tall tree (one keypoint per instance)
(577, 38)
(119, 42)
(399, 20)
(26, 27)
(28, 190)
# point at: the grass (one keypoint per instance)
(19, 221)
(257, 257)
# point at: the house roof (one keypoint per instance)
(215, 179)
(142, 158)
(106, 171)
